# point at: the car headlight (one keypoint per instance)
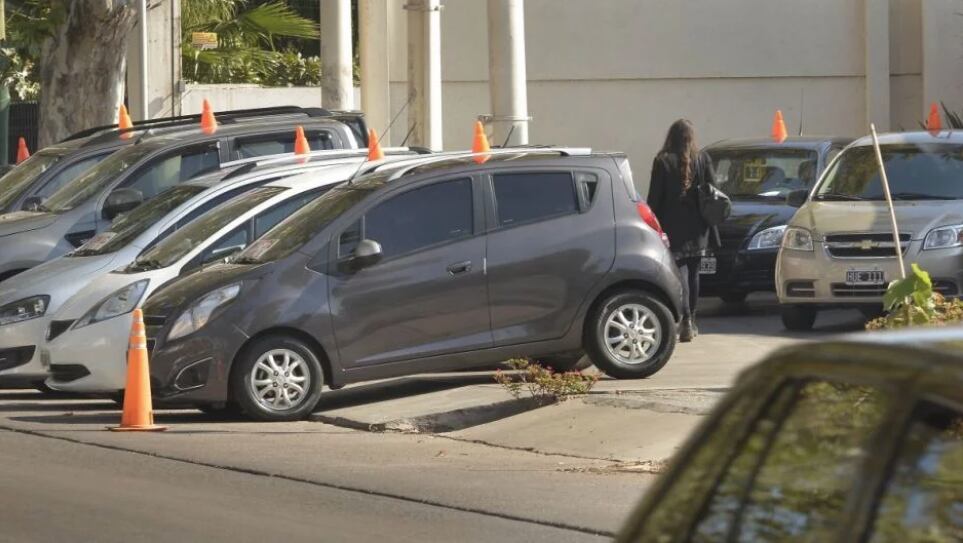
(797, 239)
(944, 237)
(196, 316)
(24, 310)
(770, 238)
(119, 303)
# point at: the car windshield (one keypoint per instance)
(290, 234)
(22, 176)
(763, 173)
(130, 225)
(183, 241)
(931, 171)
(94, 180)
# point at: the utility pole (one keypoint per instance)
(424, 73)
(507, 74)
(337, 86)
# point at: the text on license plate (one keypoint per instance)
(708, 265)
(865, 277)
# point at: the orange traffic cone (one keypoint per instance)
(933, 123)
(480, 144)
(374, 146)
(208, 122)
(779, 132)
(138, 410)
(301, 146)
(22, 152)
(123, 121)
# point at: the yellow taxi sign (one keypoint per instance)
(204, 40)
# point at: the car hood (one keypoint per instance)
(102, 287)
(916, 218)
(192, 287)
(60, 279)
(750, 217)
(24, 221)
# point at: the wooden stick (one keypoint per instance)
(889, 202)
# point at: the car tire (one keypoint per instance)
(262, 387)
(574, 361)
(872, 312)
(657, 325)
(735, 297)
(229, 410)
(798, 318)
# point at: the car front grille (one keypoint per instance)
(57, 328)
(801, 289)
(868, 245)
(842, 290)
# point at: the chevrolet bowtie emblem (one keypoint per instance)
(866, 244)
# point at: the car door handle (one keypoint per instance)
(459, 268)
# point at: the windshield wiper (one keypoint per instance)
(919, 196)
(244, 260)
(145, 265)
(840, 197)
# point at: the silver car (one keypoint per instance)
(839, 251)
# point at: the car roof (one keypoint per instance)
(918, 137)
(792, 142)
(184, 136)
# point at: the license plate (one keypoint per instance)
(708, 265)
(865, 277)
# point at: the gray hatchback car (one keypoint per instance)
(428, 265)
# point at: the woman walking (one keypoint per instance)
(677, 173)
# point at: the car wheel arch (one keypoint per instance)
(300, 335)
(630, 284)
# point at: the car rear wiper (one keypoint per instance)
(920, 196)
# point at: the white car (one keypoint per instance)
(28, 300)
(87, 341)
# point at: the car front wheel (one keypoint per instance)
(277, 378)
(798, 318)
(631, 335)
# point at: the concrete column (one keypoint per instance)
(164, 86)
(876, 23)
(375, 80)
(424, 73)
(337, 90)
(942, 50)
(507, 77)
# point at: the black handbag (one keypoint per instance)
(714, 206)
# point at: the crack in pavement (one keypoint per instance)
(334, 486)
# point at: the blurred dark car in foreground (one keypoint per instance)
(858, 440)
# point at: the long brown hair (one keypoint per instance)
(680, 141)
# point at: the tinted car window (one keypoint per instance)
(19, 179)
(932, 171)
(68, 174)
(174, 169)
(421, 217)
(745, 174)
(270, 218)
(236, 240)
(216, 201)
(820, 429)
(280, 143)
(923, 500)
(526, 197)
(348, 240)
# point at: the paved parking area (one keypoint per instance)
(558, 473)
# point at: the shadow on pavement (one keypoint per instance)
(398, 388)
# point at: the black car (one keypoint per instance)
(855, 440)
(758, 175)
(430, 265)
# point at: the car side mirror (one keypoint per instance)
(122, 201)
(366, 254)
(797, 198)
(33, 203)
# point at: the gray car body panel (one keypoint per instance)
(304, 294)
(23, 245)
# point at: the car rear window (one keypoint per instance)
(527, 197)
(277, 144)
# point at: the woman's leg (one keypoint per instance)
(684, 268)
(693, 280)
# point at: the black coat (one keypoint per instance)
(678, 213)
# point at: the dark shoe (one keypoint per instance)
(685, 331)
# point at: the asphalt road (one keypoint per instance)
(63, 478)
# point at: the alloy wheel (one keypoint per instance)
(280, 380)
(632, 334)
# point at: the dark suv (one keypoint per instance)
(430, 265)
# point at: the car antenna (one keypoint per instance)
(802, 104)
(408, 135)
(382, 136)
(509, 136)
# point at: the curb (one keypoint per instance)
(446, 421)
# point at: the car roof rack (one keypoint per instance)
(226, 117)
(460, 156)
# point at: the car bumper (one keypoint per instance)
(819, 278)
(20, 357)
(92, 359)
(740, 271)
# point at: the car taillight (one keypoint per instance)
(650, 219)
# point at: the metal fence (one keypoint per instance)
(24, 122)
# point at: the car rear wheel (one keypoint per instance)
(631, 335)
(735, 297)
(277, 378)
(798, 318)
